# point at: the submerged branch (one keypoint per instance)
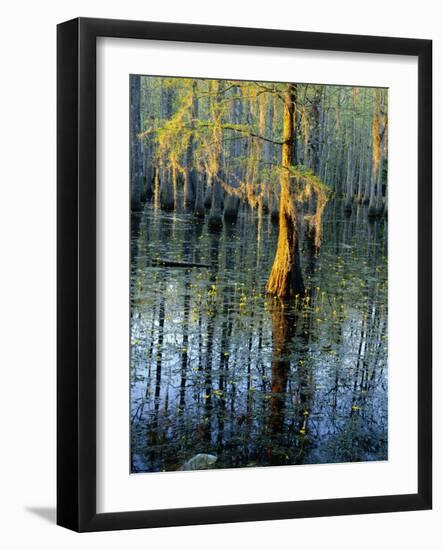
(174, 263)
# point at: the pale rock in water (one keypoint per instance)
(199, 462)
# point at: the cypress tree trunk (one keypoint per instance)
(296, 121)
(268, 154)
(144, 107)
(377, 147)
(275, 214)
(230, 210)
(385, 206)
(166, 180)
(215, 221)
(286, 278)
(361, 170)
(326, 149)
(315, 138)
(367, 180)
(136, 146)
(207, 200)
(372, 211)
(350, 169)
(199, 207)
(166, 190)
(191, 171)
(273, 194)
(383, 138)
(231, 202)
(379, 195)
(149, 169)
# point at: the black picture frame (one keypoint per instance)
(76, 266)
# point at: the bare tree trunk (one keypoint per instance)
(377, 154)
(136, 146)
(199, 207)
(363, 146)
(232, 202)
(268, 154)
(350, 167)
(383, 138)
(191, 170)
(315, 131)
(215, 221)
(215, 216)
(286, 278)
(166, 183)
(379, 194)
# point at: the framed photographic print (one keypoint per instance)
(244, 319)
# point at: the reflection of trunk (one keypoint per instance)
(150, 352)
(184, 351)
(188, 245)
(282, 333)
(198, 229)
(249, 392)
(223, 370)
(206, 429)
(286, 278)
(158, 372)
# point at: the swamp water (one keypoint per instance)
(219, 367)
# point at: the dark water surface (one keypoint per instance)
(219, 367)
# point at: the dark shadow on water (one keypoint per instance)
(46, 513)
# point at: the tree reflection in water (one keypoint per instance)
(219, 367)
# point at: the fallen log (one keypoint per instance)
(173, 263)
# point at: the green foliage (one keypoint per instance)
(236, 133)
